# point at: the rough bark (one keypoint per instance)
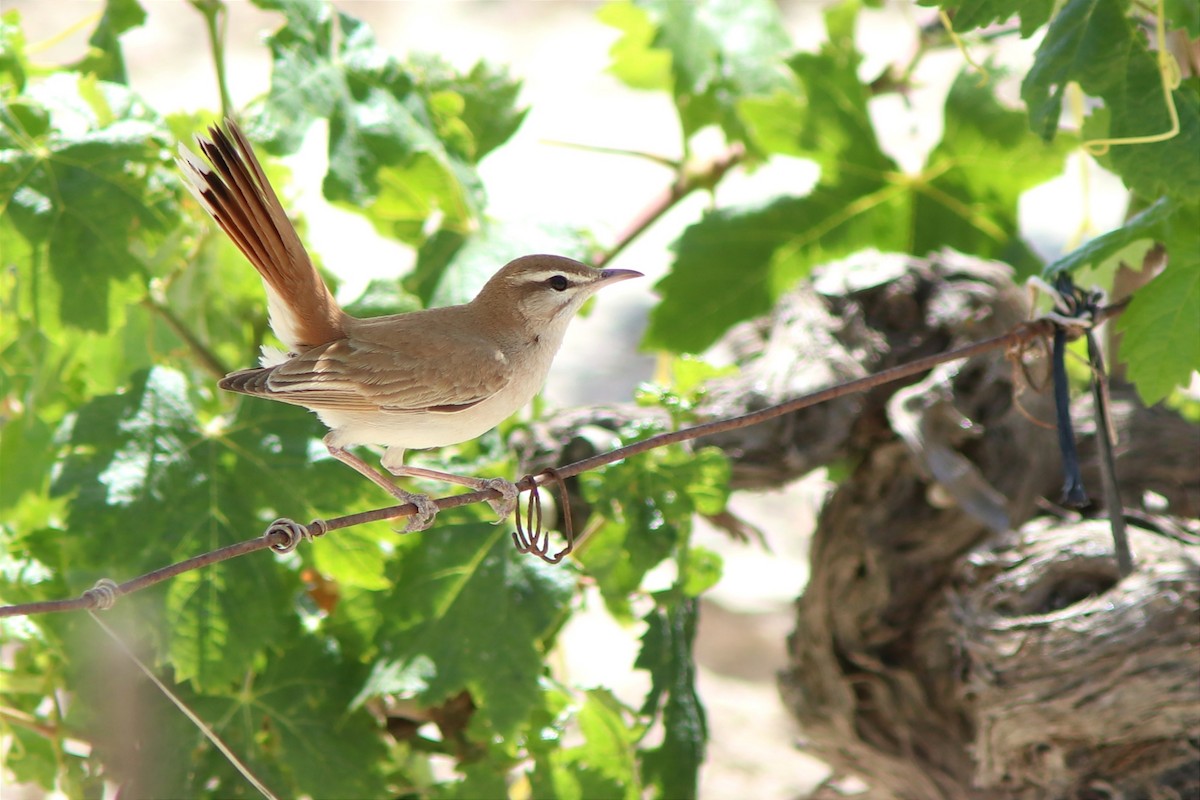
(951, 643)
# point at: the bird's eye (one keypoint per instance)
(558, 283)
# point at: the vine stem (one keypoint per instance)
(213, 12)
(1018, 336)
(206, 357)
(688, 179)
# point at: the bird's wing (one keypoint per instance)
(410, 372)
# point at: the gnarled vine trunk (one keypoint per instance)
(958, 637)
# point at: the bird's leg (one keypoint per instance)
(504, 505)
(426, 509)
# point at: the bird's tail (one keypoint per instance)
(233, 188)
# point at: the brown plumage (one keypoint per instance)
(422, 379)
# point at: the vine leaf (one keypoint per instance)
(735, 263)
(1161, 327)
(403, 138)
(104, 58)
(971, 14)
(451, 623)
(82, 181)
(605, 765)
(291, 725)
(1095, 44)
(712, 55)
(667, 655)
(151, 486)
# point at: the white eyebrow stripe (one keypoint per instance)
(545, 275)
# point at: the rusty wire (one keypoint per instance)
(533, 537)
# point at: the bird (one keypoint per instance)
(421, 379)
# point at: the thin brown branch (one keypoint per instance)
(206, 358)
(21, 719)
(277, 538)
(688, 180)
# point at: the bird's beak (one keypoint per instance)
(608, 276)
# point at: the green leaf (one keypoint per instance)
(1161, 327)
(837, 132)
(355, 557)
(976, 176)
(150, 487)
(667, 654)
(289, 722)
(649, 502)
(634, 59)
(968, 15)
(403, 138)
(81, 176)
(468, 612)
(30, 757)
(702, 571)
(479, 780)
(26, 455)
(132, 467)
(14, 63)
(382, 297)
(719, 51)
(605, 765)
(735, 263)
(1095, 44)
(728, 267)
(478, 109)
(775, 122)
(1147, 224)
(104, 58)
(1183, 14)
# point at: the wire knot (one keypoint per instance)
(293, 532)
(104, 594)
(1075, 309)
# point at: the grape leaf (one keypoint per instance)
(1095, 44)
(970, 14)
(1183, 14)
(657, 492)
(1161, 327)
(290, 724)
(452, 267)
(469, 613)
(150, 487)
(479, 780)
(634, 59)
(403, 138)
(104, 58)
(735, 263)
(82, 180)
(667, 654)
(984, 163)
(605, 765)
(1147, 224)
(14, 63)
(719, 51)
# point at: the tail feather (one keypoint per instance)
(233, 188)
(247, 381)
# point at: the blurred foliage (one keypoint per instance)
(121, 305)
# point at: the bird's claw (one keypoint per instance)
(506, 504)
(427, 510)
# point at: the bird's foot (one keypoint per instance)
(427, 510)
(506, 504)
